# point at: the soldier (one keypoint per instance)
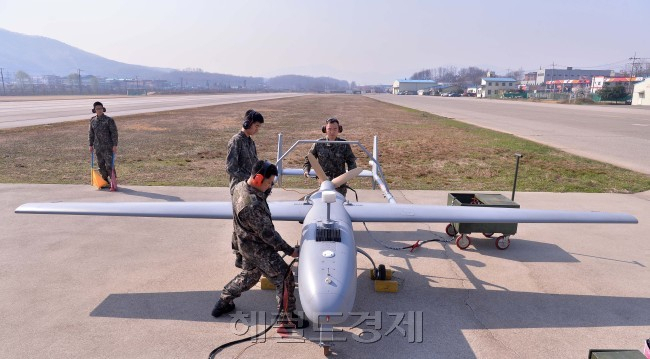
(242, 155)
(102, 137)
(259, 244)
(332, 158)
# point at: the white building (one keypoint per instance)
(411, 86)
(640, 91)
(496, 86)
(599, 82)
(568, 74)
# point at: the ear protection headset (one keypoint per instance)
(332, 120)
(259, 176)
(248, 119)
(93, 110)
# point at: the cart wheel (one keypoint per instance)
(488, 234)
(502, 242)
(451, 230)
(463, 241)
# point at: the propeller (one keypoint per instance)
(338, 181)
(317, 168)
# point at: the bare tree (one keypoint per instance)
(446, 74)
(517, 74)
(471, 75)
(23, 79)
(422, 75)
(94, 84)
(450, 74)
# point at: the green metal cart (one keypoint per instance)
(462, 230)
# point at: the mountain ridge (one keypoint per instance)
(41, 56)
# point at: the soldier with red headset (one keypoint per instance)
(259, 244)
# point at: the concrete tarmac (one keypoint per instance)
(118, 287)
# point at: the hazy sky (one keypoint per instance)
(369, 42)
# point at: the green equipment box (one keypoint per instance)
(615, 354)
(482, 200)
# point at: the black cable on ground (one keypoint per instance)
(411, 247)
(214, 352)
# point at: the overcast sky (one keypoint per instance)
(370, 42)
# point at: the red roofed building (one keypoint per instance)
(598, 82)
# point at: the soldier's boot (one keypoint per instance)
(293, 320)
(238, 260)
(222, 307)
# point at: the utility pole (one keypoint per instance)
(633, 58)
(633, 72)
(629, 79)
(3, 81)
(553, 76)
(79, 74)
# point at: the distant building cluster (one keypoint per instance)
(551, 83)
(20, 83)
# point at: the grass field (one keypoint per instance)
(417, 150)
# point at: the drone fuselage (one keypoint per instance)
(327, 274)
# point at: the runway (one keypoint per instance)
(619, 135)
(36, 111)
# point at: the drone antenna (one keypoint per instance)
(329, 197)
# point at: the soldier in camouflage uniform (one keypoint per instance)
(242, 155)
(332, 158)
(102, 137)
(259, 243)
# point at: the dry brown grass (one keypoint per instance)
(417, 150)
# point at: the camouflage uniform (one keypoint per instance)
(259, 244)
(242, 155)
(102, 135)
(333, 159)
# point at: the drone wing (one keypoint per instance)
(286, 211)
(388, 212)
(359, 212)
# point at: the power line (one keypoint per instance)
(634, 58)
(620, 62)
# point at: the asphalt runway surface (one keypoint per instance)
(32, 111)
(619, 135)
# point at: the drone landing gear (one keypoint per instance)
(381, 273)
(381, 276)
(326, 338)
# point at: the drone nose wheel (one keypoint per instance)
(381, 272)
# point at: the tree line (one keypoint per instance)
(464, 76)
